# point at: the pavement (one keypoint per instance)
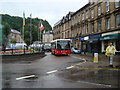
(103, 62)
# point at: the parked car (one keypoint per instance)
(47, 48)
(36, 46)
(75, 50)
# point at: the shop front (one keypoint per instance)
(113, 37)
(84, 43)
(75, 42)
(94, 43)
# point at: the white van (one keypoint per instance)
(20, 45)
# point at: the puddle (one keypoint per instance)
(95, 76)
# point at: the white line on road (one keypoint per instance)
(79, 58)
(25, 77)
(69, 67)
(95, 84)
(84, 59)
(51, 71)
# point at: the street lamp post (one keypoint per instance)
(30, 29)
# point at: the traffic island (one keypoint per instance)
(22, 57)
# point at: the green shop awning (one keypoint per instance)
(111, 36)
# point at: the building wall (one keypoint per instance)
(18, 37)
(81, 22)
(47, 38)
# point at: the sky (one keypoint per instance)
(50, 10)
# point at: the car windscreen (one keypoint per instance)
(63, 45)
(47, 47)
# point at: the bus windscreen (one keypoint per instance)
(63, 45)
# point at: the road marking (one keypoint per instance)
(69, 67)
(25, 77)
(95, 84)
(79, 58)
(51, 71)
(84, 59)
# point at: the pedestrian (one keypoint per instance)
(110, 52)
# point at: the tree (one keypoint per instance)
(13, 41)
(6, 30)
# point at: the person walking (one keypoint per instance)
(110, 52)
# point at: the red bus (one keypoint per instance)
(61, 47)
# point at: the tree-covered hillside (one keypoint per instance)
(16, 23)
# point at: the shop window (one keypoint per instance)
(118, 45)
(105, 45)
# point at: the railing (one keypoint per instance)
(25, 50)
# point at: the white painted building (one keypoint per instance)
(47, 37)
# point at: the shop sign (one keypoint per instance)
(106, 38)
(73, 39)
(86, 38)
(82, 38)
(95, 36)
(109, 33)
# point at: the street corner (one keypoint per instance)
(88, 65)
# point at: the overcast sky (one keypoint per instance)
(50, 10)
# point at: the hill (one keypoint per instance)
(16, 22)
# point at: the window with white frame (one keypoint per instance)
(92, 13)
(117, 3)
(99, 10)
(82, 16)
(86, 13)
(92, 27)
(108, 23)
(86, 27)
(99, 25)
(107, 6)
(118, 20)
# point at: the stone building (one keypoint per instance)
(47, 37)
(93, 26)
(14, 34)
(62, 29)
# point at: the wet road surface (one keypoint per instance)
(50, 72)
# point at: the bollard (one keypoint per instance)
(12, 51)
(95, 57)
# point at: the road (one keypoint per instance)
(55, 72)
